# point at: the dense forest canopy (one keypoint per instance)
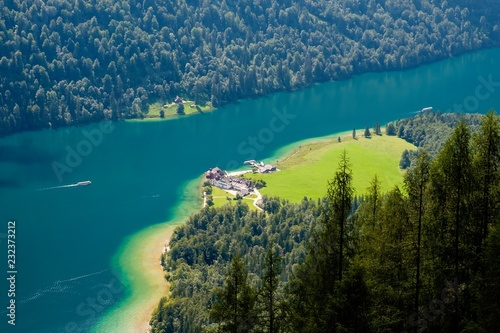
(429, 131)
(422, 258)
(72, 62)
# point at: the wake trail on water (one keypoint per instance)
(60, 286)
(414, 112)
(56, 187)
(82, 276)
(150, 196)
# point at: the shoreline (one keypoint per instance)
(137, 262)
(284, 153)
(144, 282)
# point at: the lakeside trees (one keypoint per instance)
(430, 130)
(65, 63)
(390, 129)
(422, 258)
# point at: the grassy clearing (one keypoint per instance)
(220, 198)
(306, 171)
(171, 109)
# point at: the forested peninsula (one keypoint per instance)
(418, 258)
(74, 62)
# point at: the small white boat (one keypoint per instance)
(429, 108)
(87, 182)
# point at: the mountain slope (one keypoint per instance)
(72, 62)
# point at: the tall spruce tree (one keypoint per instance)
(367, 217)
(340, 195)
(315, 291)
(387, 263)
(484, 265)
(416, 180)
(234, 305)
(453, 182)
(489, 303)
(270, 307)
(487, 165)
(373, 197)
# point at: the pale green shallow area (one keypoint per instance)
(138, 263)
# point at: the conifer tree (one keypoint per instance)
(489, 302)
(340, 195)
(318, 302)
(234, 305)
(270, 312)
(367, 132)
(487, 165)
(485, 266)
(416, 181)
(373, 197)
(387, 263)
(390, 129)
(452, 186)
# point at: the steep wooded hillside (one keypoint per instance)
(72, 62)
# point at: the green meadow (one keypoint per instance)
(171, 109)
(306, 171)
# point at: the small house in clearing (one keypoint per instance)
(267, 168)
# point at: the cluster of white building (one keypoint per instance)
(221, 179)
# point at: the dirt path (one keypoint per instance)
(259, 197)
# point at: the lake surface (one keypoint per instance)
(66, 237)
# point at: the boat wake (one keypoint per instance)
(413, 113)
(426, 109)
(84, 183)
(150, 196)
(56, 187)
(61, 286)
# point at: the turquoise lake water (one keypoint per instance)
(67, 236)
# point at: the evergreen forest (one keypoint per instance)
(74, 62)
